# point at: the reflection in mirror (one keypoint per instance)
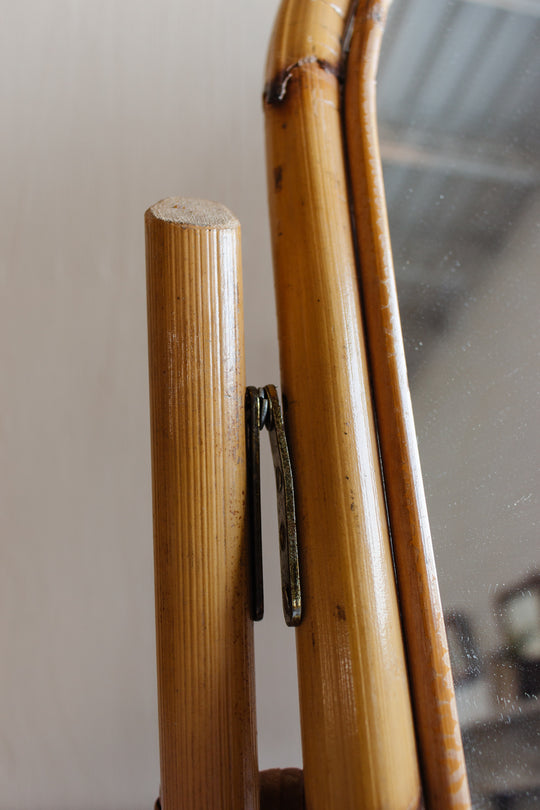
(459, 118)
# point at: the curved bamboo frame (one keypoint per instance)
(436, 720)
(357, 727)
(319, 315)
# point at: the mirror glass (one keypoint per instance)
(459, 117)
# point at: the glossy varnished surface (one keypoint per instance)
(436, 720)
(204, 634)
(357, 728)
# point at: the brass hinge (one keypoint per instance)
(263, 410)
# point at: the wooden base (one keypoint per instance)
(282, 789)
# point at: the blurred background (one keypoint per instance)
(108, 107)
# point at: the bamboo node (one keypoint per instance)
(275, 90)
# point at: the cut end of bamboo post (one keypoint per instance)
(189, 213)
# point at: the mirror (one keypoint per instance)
(459, 118)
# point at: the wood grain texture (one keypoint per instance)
(357, 728)
(204, 634)
(436, 720)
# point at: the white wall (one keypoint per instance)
(108, 106)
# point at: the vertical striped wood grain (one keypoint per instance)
(204, 633)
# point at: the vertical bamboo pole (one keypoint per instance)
(436, 720)
(204, 634)
(357, 727)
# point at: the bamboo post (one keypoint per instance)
(436, 720)
(204, 634)
(357, 727)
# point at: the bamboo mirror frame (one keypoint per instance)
(378, 714)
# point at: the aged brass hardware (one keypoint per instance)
(263, 410)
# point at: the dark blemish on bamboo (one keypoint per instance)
(278, 177)
(276, 89)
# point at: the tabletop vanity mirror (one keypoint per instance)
(459, 118)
